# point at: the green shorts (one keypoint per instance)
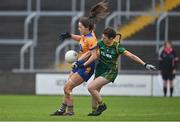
(108, 73)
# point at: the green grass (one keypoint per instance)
(38, 108)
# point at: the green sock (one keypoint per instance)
(94, 109)
(101, 102)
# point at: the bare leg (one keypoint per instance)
(94, 102)
(96, 85)
(94, 88)
(72, 82)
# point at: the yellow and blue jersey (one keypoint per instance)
(87, 42)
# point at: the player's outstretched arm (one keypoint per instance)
(138, 60)
(76, 37)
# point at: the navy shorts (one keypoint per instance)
(168, 75)
(85, 73)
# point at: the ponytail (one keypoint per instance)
(97, 12)
(119, 39)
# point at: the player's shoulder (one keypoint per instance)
(100, 42)
(90, 37)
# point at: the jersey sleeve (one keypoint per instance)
(92, 43)
(121, 49)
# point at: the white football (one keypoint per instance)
(71, 56)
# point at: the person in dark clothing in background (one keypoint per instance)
(168, 64)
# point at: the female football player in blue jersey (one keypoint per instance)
(83, 68)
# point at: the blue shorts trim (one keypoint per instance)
(85, 73)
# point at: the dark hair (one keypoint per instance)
(109, 32)
(97, 12)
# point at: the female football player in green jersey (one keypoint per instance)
(82, 69)
(107, 68)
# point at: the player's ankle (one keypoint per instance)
(101, 103)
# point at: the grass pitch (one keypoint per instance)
(120, 108)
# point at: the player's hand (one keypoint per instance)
(65, 35)
(149, 67)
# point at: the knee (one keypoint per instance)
(67, 90)
(91, 88)
(165, 82)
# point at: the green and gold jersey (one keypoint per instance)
(108, 60)
(109, 54)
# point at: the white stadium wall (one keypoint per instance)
(124, 85)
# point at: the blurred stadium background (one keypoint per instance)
(29, 36)
(32, 57)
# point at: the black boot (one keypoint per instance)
(99, 110)
(60, 111)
